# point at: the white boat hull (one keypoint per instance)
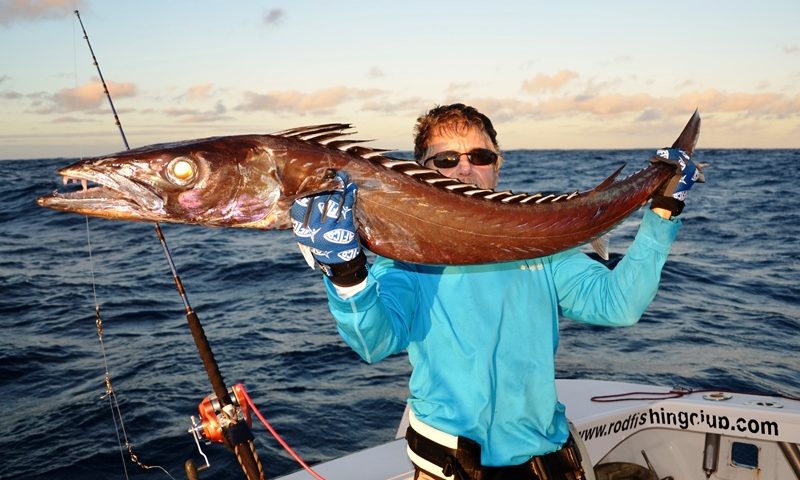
(758, 436)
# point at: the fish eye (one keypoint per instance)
(181, 170)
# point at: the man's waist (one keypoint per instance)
(459, 458)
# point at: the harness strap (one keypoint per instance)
(458, 458)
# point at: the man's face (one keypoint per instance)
(484, 176)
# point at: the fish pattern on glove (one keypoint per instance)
(325, 224)
(688, 173)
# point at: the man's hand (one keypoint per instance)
(324, 226)
(671, 197)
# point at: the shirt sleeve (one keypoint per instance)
(374, 321)
(589, 292)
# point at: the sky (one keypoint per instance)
(575, 74)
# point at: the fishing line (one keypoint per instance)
(113, 404)
(241, 440)
(116, 412)
(112, 399)
(280, 439)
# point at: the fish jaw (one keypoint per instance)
(115, 196)
(226, 182)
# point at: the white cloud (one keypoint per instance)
(375, 72)
(89, 96)
(292, 101)
(34, 10)
(549, 83)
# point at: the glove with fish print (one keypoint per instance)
(324, 227)
(673, 194)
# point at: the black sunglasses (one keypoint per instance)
(450, 158)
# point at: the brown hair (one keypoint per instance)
(455, 119)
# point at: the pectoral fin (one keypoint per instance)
(600, 246)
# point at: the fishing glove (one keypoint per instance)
(324, 226)
(673, 194)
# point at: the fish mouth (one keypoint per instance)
(104, 194)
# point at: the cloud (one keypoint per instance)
(649, 115)
(191, 115)
(89, 96)
(11, 95)
(621, 59)
(301, 103)
(500, 109)
(686, 84)
(34, 10)
(738, 102)
(643, 106)
(70, 120)
(274, 16)
(458, 86)
(792, 49)
(549, 83)
(609, 104)
(199, 92)
(375, 72)
(414, 104)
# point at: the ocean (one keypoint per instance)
(726, 316)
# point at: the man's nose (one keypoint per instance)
(464, 165)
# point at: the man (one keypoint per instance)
(482, 338)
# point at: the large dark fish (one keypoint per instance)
(404, 211)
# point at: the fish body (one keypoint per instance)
(403, 211)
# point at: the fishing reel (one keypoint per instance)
(214, 418)
(218, 424)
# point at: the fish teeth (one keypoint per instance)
(84, 183)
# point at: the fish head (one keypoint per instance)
(220, 181)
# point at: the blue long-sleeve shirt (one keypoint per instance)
(482, 338)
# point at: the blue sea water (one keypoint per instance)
(727, 316)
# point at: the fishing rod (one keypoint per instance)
(223, 414)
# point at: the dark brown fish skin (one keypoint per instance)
(250, 181)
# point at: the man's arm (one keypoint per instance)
(588, 291)
(369, 318)
(375, 322)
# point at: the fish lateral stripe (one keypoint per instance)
(495, 195)
(460, 186)
(376, 152)
(514, 197)
(417, 172)
(435, 181)
(394, 164)
(478, 192)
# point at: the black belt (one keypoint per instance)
(464, 462)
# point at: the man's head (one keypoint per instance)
(460, 142)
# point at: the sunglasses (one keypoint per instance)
(450, 158)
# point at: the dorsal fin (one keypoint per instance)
(608, 181)
(325, 136)
(303, 132)
(687, 140)
(328, 135)
(340, 144)
(366, 152)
